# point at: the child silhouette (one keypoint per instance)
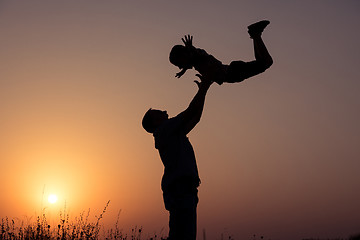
(188, 56)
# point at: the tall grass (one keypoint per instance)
(78, 228)
(82, 228)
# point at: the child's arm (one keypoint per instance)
(187, 40)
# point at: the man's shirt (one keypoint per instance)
(176, 153)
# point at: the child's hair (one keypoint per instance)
(147, 122)
(178, 52)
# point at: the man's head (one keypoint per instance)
(153, 118)
(180, 56)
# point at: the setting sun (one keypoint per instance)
(52, 198)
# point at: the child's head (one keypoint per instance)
(180, 56)
(153, 118)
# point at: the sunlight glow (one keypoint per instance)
(52, 198)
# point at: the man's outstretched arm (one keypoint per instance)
(191, 116)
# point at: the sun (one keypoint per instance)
(52, 198)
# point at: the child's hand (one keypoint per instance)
(187, 40)
(179, 74)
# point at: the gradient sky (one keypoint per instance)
(278, 154)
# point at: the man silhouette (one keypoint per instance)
(181, 178)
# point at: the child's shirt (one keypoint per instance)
(208, 66)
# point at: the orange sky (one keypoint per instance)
(278, 154)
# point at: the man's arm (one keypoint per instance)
(191, 116)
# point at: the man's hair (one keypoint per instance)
(176, 52)
(147, 122)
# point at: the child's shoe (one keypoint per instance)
(257, 28)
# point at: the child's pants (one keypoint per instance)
(238, 71)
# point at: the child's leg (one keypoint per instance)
(239, 70)
(261, 53)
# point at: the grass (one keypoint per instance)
(78, 228)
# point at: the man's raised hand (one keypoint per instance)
(203, 81)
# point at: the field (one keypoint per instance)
(82, 228)
(78, 228)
